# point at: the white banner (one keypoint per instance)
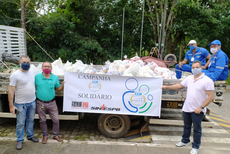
(112, 94)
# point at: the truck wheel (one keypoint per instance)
(170, 57)
(113, 126)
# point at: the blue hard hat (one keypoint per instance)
(215, 42)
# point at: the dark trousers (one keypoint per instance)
(195, 119)
(52, 109)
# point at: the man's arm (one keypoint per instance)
(208, 62)
(11, 99)
(175, 86)
(183, 62)
(61, 87)
(206, 65)
(206, 102)
(220, 64)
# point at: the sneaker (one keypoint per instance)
(181, 144)
(34, 139)
(194, 151)
(19, 146)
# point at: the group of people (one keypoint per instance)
(216, 67)
(200, 86)
(22, 85)
(200, 92)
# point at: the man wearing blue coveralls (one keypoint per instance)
(194, 54)
(218, 63)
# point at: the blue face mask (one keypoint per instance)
(196, 71)
(191, 47)
(25, 66)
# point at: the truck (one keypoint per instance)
(110, 125)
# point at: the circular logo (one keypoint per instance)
(94, 86)
(150, 97)
(137, 100)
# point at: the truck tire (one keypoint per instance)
(113, 126)
(170, 57)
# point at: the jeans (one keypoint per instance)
(178, 70)
(195, 119)
(52, 109)
(26, 113)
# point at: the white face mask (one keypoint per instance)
(213, 50)
(196, 71)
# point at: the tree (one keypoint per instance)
(161, 16)
(57, 35)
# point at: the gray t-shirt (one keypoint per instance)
(24, 83)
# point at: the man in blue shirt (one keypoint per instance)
(218, 63)
(194, 54)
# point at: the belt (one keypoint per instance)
(46, 101)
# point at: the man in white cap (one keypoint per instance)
(218, 64)
(194, 54)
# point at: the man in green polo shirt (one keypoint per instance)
(46, 83)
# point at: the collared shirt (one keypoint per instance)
(218, 67)
(196, 92)
(46, 87)
(200, 55)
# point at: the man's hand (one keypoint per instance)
(164, 87)
(180, 64)
(198, 110)
(12, 109)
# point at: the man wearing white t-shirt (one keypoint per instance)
(200, 92)
(22, 83)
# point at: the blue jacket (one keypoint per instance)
(218, 67)
(200, 55)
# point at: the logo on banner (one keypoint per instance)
(94, 86)
(137, 99)
(79, 105)
(103, 107)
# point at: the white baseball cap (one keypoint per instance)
(192, 42)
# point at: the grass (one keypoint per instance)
(82, 137)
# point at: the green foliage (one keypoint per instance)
(91, 30)
(9, 14)
(57, 35)
(203, 21)
(228, 79)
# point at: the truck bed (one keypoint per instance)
(167, 95)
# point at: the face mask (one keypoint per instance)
(191, 47)
(196, 71)
(213, 50)
(46, 71)
(25, 66)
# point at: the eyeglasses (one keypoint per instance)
(46, 66)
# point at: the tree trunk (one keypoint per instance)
(181, 49)
(23, 20)
(169, 42)
(164, 15)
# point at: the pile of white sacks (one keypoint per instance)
(133, 67)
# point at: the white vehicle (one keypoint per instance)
(110, 125)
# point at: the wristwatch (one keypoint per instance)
(202, 107)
